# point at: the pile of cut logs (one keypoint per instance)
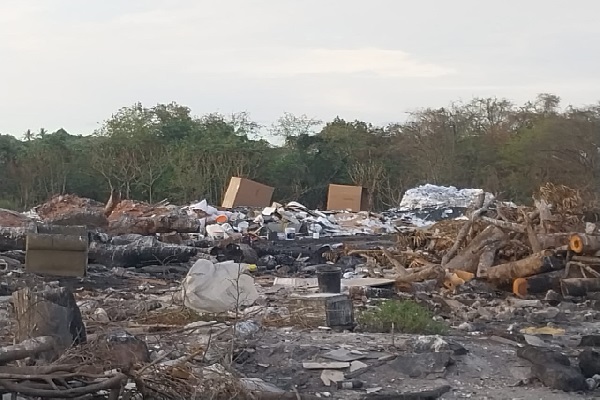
(526, 250)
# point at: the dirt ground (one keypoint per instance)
(489, 370)
(477, 363)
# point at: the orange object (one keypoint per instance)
(221, 219)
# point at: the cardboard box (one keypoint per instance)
(246, 193)
(343, 197)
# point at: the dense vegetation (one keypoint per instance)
(166, 152)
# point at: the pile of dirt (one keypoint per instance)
(13, 219)
(58, 206)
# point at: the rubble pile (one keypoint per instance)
(275, 302)
(12, 219)
(130, 217)
(70, 209)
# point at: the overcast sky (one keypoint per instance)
(72, 63)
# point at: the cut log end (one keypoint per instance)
(576, 244)
(520, 287)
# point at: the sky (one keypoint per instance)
(73, 63)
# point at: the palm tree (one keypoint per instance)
(28, 135)
(42, 133)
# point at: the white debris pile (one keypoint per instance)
(433, 196)
(427, 204)
(294, 215)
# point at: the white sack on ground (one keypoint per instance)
(216, 288)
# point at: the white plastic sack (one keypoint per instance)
(217, 288)
(205, 207)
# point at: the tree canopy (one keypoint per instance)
(166, 152)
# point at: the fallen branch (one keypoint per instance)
(587, 259)
(38, 370)
(397, 264)
(27, 348)
(464, 230)
(511, 226)
(468, 259)
(431, 394)
(114, 382)
(431, 272)
(533, 239)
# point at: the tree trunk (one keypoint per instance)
(464, 230)
(51, 312)
(25, 349)
(584, 244)
(579, 287)
(161, 222)
(553, 240)
(113, 202)
(425, 273)
(537, 284)
(586, 260)
(136, 255)
(486, 260)
(468, 259)
(537, 263)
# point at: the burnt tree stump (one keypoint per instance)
(51, 312)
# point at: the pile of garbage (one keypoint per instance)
(527, 250)
(473, 259)
(420, 206)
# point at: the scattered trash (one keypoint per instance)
(271, 290)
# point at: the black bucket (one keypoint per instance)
(329, 278)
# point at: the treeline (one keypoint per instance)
(165, 152)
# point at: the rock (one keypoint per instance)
(100, 315)
(521, 303)
(552, 297)
(246, 328)
(329, 376)
(559, 377)
(422, 344)
(342, 355)
(546, 313)
(553, 369)
(589, 363)
(126, 349)
(465, 326)
(590, 341)
(356, 365)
